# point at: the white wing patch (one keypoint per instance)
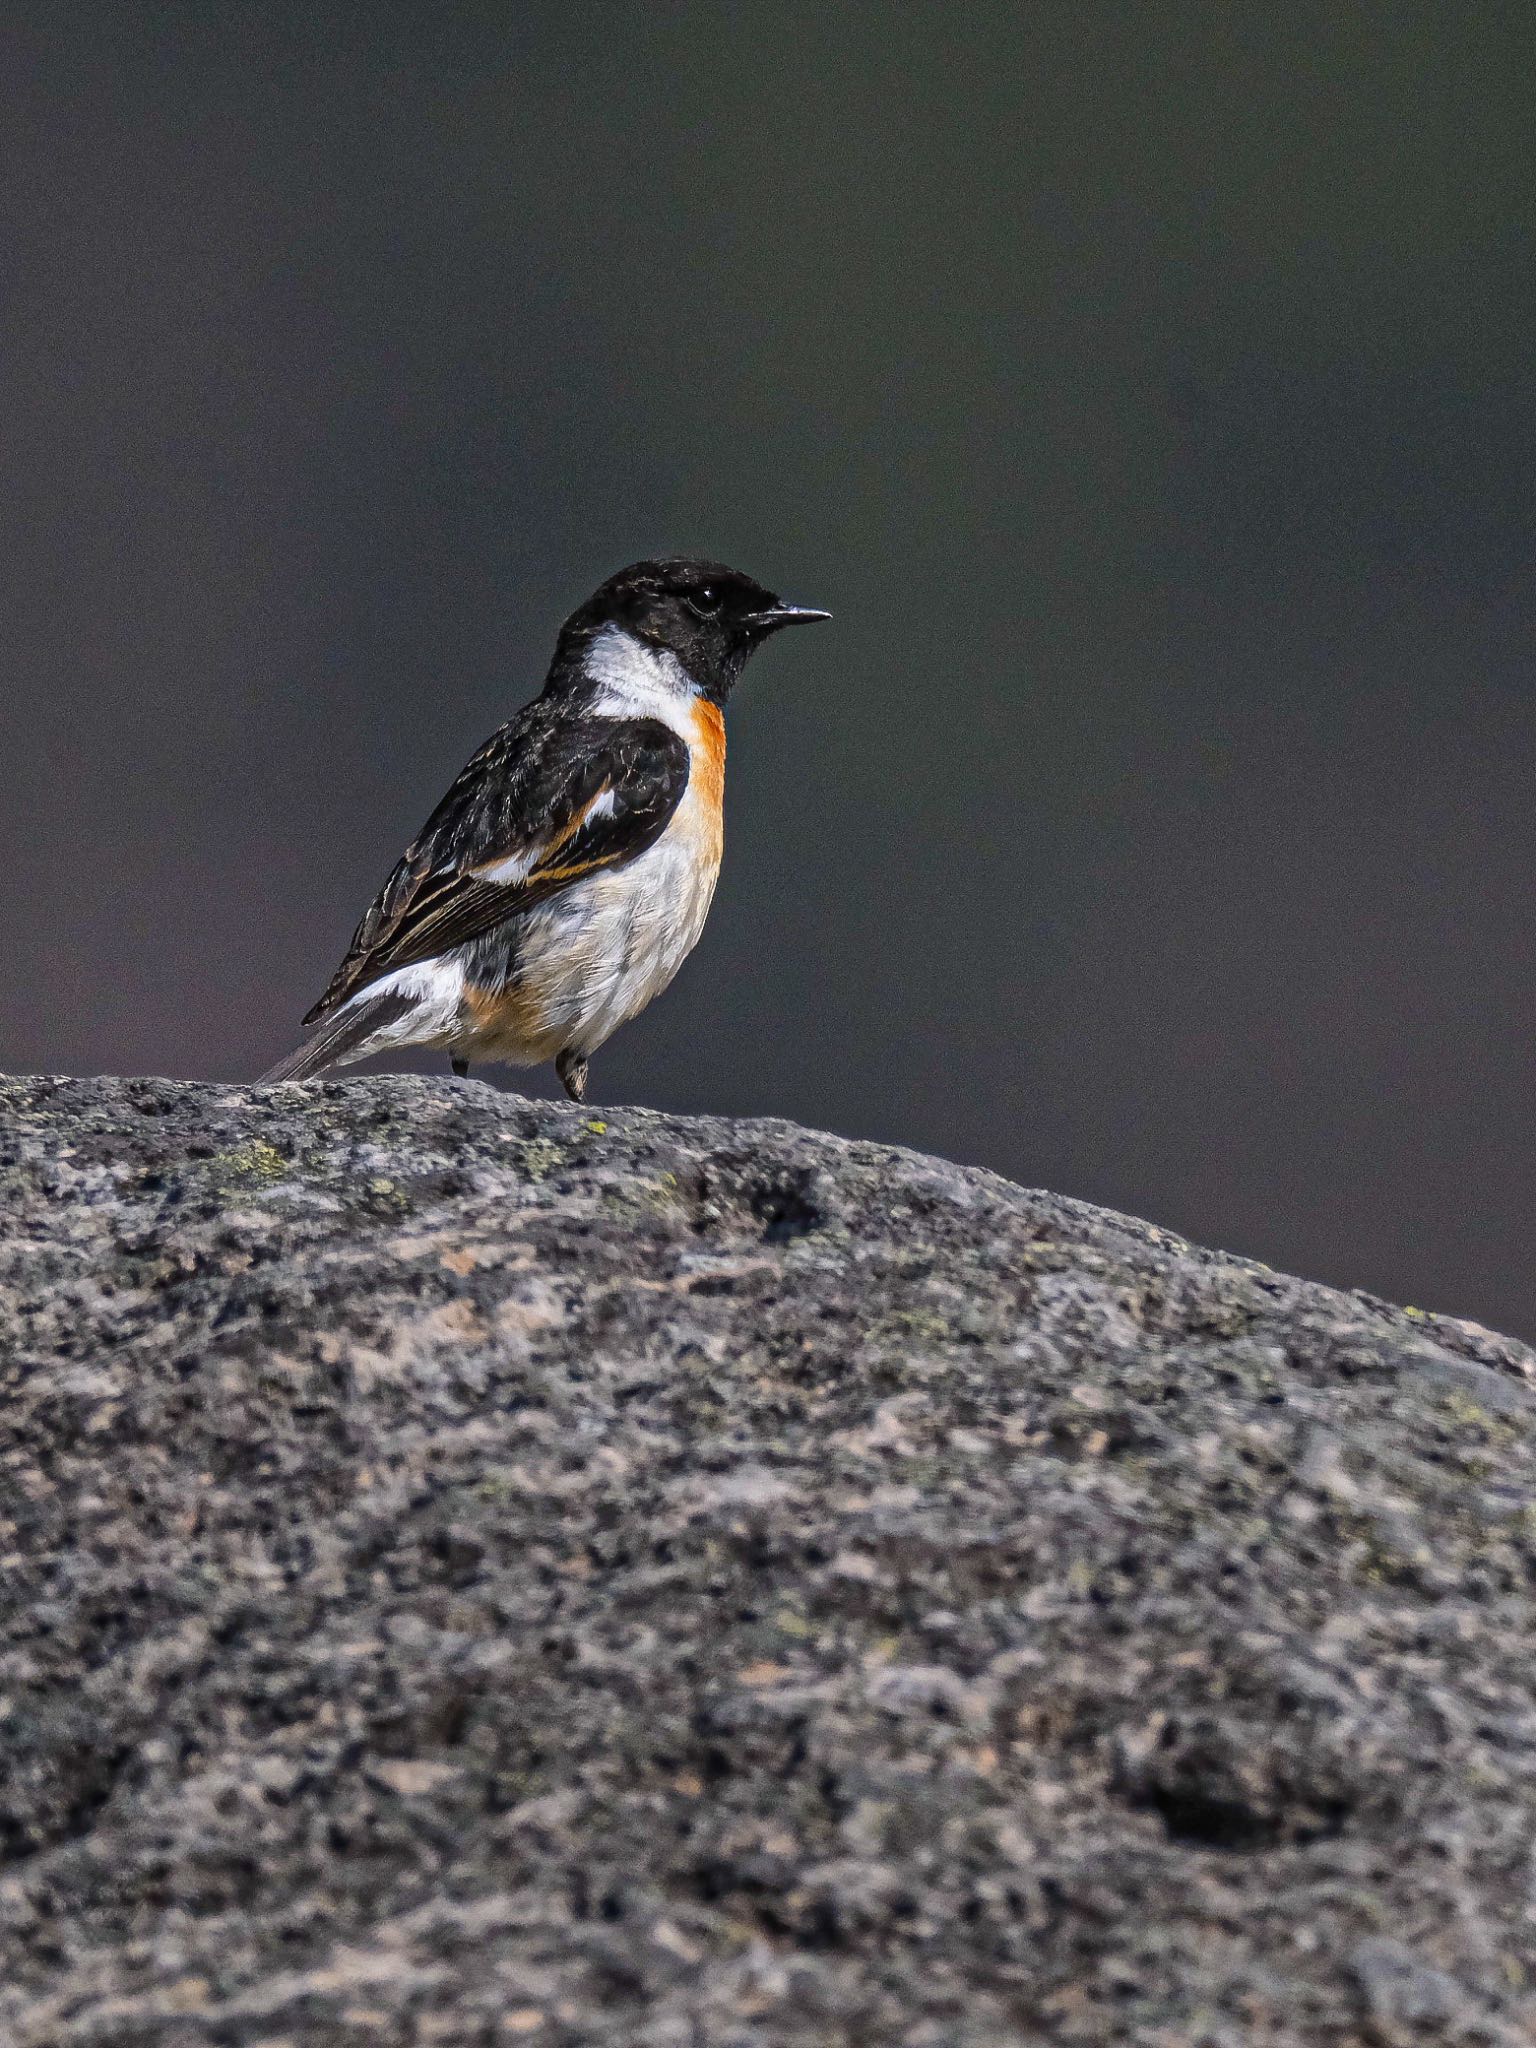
(517, 867)
(435, 989)
(514, 868)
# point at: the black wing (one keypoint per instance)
(548, 799)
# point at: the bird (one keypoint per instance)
(566, 874)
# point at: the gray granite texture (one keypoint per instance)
(483, 1571)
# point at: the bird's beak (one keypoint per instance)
(773, 616)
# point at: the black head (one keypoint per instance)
(709, 616)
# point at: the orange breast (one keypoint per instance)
(706, 773)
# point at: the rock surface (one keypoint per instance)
(483, 1571)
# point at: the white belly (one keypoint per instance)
(597, 954)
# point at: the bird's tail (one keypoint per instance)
(340, 1038)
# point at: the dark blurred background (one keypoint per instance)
(1148, 390)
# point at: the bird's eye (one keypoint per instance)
(704, 601)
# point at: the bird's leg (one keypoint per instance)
(460, 1065)
(572, 1069)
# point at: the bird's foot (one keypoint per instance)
(460, 1066)
(573, 1075)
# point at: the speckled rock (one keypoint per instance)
(483, 1571)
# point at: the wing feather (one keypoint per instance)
(546, 801)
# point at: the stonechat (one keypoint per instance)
(566, 875)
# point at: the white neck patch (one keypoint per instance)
(636, 681)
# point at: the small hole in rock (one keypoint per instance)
(786, 1211)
